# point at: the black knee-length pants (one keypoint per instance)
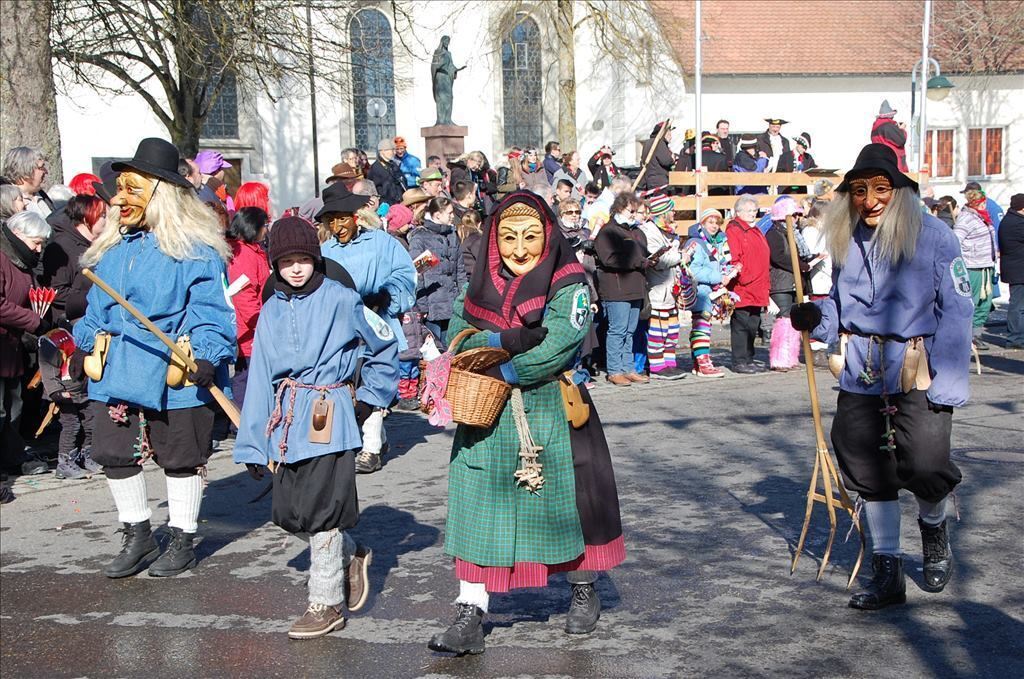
(921, 461)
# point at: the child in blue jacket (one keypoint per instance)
(303, 412)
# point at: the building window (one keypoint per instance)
(221, 121)
(521, 84)
(984, 151)
(938, 152)
(373, 78)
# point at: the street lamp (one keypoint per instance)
(938, 86)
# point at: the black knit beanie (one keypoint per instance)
(293, 235)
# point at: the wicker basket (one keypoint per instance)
(476, 399)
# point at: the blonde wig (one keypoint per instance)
(178, 219)
(893, 240)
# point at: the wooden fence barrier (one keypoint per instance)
(703, 180)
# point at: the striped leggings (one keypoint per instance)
(700, 334)
(663, 338)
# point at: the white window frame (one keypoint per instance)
(935, 156)
(984, 134)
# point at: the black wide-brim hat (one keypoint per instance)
(156, 157)
(337, 198)
(106, 188)
(874, 158)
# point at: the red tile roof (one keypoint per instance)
(830, 37)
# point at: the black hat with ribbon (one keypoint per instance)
(155, 157)
(338, 198)
(875, 158)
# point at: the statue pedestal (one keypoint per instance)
(447, 141)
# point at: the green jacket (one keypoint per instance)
(491, 520)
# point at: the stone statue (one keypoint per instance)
(443, 74)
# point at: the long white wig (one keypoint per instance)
(178, 219)
(893, 240)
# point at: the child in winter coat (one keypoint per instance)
(303, 415)
(74, 448)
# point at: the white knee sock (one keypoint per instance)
(373, 432)
(883, 520)
(130, 498)
(473, 593)
(184, 495)
(932, 513)
(326, 573)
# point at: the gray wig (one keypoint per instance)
(893, 240)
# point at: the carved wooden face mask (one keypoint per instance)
(342, 225)
(134, 192)
(520, 242)
(870, 196)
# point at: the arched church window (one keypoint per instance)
(373, 78)
(521, 83)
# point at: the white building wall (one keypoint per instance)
(838, 112)
(614, 106)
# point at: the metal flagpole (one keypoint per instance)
(312, 101)
(697, 159)
(922, 121)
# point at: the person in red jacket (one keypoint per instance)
(248, 229)
(749, 250)
(885, 130)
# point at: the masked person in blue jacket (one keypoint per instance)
(303, 414)
(384, 276)
(163, 251)
(900, 309)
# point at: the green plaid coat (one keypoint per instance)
(491, 520)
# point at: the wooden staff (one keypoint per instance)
(650, 152)
(222, 400)
(823, 459)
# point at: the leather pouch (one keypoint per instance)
(322, 421)
(177, 373)
(914, 374)
(836, 362)
(94, 362)
(576, 411)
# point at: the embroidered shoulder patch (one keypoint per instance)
(380, 328)
(580, 309)
(961, 281)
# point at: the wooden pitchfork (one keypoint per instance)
(823, 464)
(650, 153)
(219, 396)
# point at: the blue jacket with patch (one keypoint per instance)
(316, 339)
(378, 261)
(927, 296)
(181, 297)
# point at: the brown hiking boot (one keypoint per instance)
(318, 620)
(357, 584)
(620, 380)
(638, 378)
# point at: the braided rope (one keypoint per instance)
(529, 473)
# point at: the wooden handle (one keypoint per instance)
(812, 386)
(219, 396)
(650, 153)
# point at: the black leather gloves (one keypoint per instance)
(204, 373)
(520, 340)
(379, 300)
(805, 316)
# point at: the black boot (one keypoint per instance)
(938, 557)
(466, 634)
(888, 587)
(179, 556)
(584, 610)
(137, 548)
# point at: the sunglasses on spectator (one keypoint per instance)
(570, 212)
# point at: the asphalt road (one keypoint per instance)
(712, 478)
